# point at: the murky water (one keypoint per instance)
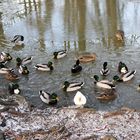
(78, 26)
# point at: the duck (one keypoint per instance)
(18, 40)
(48, 98)
(122, 68)
(72, 86)
(104, 71)
(13, 88)
(138, 88)
(23, 70)
(4, 57)
(11, 76)
(44, 67)
(125, 77)
(76, 68)
(87, 58)
(5, 70)
(106, 96)
(79, 99)
(24, 61)
(105, 84)
(59, 54)
(119, 35)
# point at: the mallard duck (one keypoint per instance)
(48, 98)
(5, 57)
(125, 77)
(119, 35)
(44, 67)
(106, 96)
(18, 39)
(79, 99)
(104, 71)
(122, 68)
(59, 54)
(72, 86)
(24, 61)
(76, 68)
(23, 70)
(11, 76)
(87, 58)
(13, 88)
(138, 88)
(5, 70)
(103, 83)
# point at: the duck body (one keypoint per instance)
(13, 88)
(76, 68)
(79, 99)
(18, 40)
(44, 67)
(122, 68)
(48, 98)
(104, 71)
(5, 57)
(11, 76)
(106, 96)
(5, 70)
(23, 70)
(125, 77)
(119, 35)
(24, 61)
(87, 58)
(59, 54)
(72, 86)
(105, 84)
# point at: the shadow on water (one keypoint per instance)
(79, 27)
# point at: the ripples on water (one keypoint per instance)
(46, 31)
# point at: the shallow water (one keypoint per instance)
(78, 26)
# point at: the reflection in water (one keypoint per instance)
(79, 27)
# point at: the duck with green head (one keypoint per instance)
(72, 86)
(105, 84)
(24, 61)
(13, 88)
(59, 54)
(105, 70)
(48, 98)
(5, 57)
(76, 68)
(122, 68)
(44, 67)
(125, 77)
(23, 70)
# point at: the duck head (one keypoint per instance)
(50, 65)
(14, 88)
(96, 77)
(55, 55)
(66, 85)
(105, 65)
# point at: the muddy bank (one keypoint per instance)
(69, 124)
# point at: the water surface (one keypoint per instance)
(80, 27)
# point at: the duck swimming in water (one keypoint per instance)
(48, 98)
(23, 70)
(76, 68)
(59, 54)
(72, 86)
(44, 67)
(5, 57)
(24, 61)
(79, 99)
(13, 88)
(119, 35)
(122, 68)
(104, 71)
(11, 76)
(105, 84)
(18, 40)
(125, 77)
